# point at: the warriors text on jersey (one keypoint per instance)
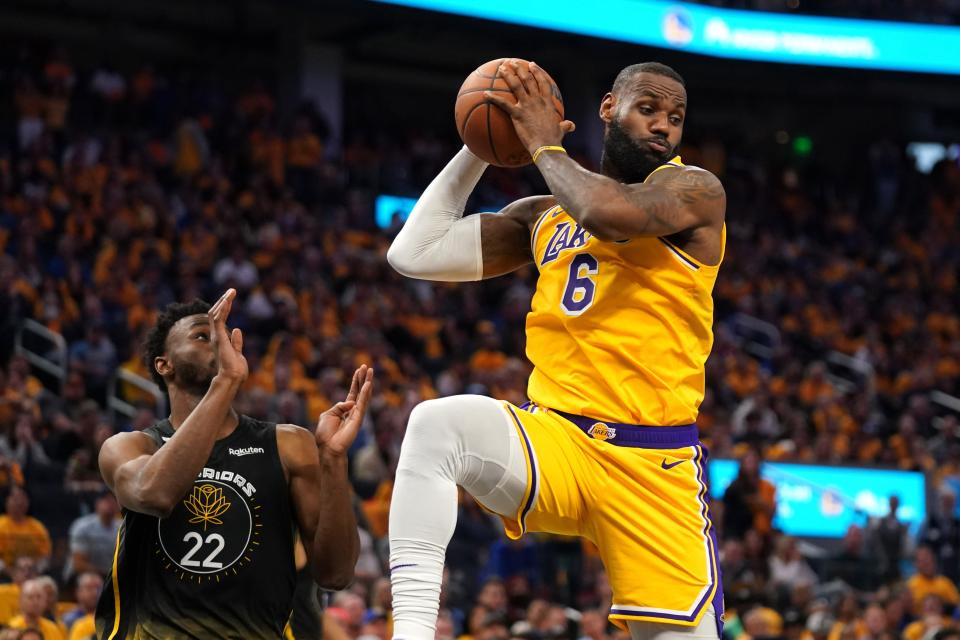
(221, 565)
(618, 331)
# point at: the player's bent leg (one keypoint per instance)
(462, 440)
(707, 628)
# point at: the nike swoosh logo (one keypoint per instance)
(671, 465)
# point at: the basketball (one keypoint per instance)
(484, 127)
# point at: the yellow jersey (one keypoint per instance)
(618, 331)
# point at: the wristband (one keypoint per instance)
(536, 154)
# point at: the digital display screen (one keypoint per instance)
(386, 207)
(729, 33)
(823, 502)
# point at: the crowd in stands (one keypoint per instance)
(121, 192)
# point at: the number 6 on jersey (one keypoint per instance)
(580, 291)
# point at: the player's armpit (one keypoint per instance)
(123, 458)
(505, 236)
(671, 201)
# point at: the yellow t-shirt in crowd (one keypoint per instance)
(922, 586)
(918, 629)
(83, 629)
(25, 538)
(50, 630)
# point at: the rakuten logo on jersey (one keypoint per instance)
(245, 452)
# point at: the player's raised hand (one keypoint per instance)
(227, 346)
(338, 425)
(531, 105)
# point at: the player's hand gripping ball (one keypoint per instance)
(485, 128)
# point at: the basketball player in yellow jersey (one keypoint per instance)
(618, 333)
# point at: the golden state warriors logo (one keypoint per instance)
(206, 503)
(600, 431)
(213, 531)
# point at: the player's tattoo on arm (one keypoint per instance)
(666, 207)
(673, 200)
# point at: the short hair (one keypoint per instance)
(155, 343)
(629, 73)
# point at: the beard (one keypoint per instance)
(192, 378)
(630, 161)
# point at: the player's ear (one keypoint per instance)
(163, 366)
(607, 106)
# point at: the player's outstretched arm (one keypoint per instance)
(151, 480)
(320, 488)
(438, 243)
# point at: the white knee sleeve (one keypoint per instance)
(465, 440)
(472, 441)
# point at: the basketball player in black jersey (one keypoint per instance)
(212, 499)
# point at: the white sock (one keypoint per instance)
(465, 440)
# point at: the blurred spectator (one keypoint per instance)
(941, 532)
(22, 535)
(20, 445)
(96, 357)
(875, 625)
(23, 569)
(33, 602)
(493, 627)
(593, 625)
(928, 582)
(375, 626)
(79, 621)
(788, 569)
(236, 271)
(848, 622)
(93, 538)
(852, 563)
(348, 609)
(493, 597)
(368, 566)
(50, 612)
(749, 501)
(931, 619)
(888, 537)
(761, 622)
(445, 626)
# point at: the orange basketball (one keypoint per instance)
(484, 127)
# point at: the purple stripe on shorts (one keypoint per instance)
(710, 535)
(533, 472)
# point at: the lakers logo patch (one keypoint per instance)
(600, 431)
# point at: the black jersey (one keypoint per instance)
(221, 565)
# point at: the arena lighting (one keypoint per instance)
(819, 501)
(728, 33)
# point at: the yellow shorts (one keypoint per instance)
(639, 494)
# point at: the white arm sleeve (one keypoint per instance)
(437, 242)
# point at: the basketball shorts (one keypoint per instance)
(639, 494)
